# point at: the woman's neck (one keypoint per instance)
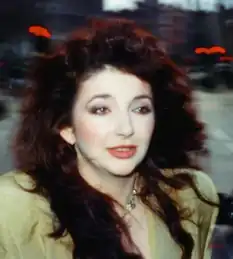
(120, 188)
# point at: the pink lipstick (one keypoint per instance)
(123, 152)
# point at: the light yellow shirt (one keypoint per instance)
(26, 219)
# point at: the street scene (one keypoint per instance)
(196, 35)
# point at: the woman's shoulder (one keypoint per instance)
(190, 198)
(205, 210)
(26, 220)
(19, 207)
(13, 187)
(204, 184)
(202, 181)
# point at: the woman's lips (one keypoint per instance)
(123, 152)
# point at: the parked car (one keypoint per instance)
(17, 77)
(200, 76)
(211, 77)
(15, 80)
(222, 73)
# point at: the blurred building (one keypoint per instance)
(229, 38)
(172, 25)
(63, 16)
(151, 3)
(213, 28)
(144, 15)
(60, 17)
(15, 16)
(225, 20)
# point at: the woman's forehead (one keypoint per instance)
(114, 82)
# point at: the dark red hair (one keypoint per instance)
(85, 213)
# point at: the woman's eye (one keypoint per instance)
(143, 110)
(99, 110)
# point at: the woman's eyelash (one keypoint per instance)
(101, 110)
(143, 109)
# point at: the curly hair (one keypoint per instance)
(86, 214)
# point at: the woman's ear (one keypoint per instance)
(68, 135)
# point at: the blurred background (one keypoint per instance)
(197, 34)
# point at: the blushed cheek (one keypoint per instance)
(85, 134)
(89, 135)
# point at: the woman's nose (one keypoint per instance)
(124, 126)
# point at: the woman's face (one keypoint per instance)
(113, 121)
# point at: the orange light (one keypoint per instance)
(39, 31)
(202, 51)
(217, 49)
(212, 50)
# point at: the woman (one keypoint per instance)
(102, 152)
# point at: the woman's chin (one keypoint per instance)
(122, 172)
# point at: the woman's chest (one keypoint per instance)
(139, 233)
(162, 244)
(151, 237)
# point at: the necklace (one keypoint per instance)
(131, 203)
